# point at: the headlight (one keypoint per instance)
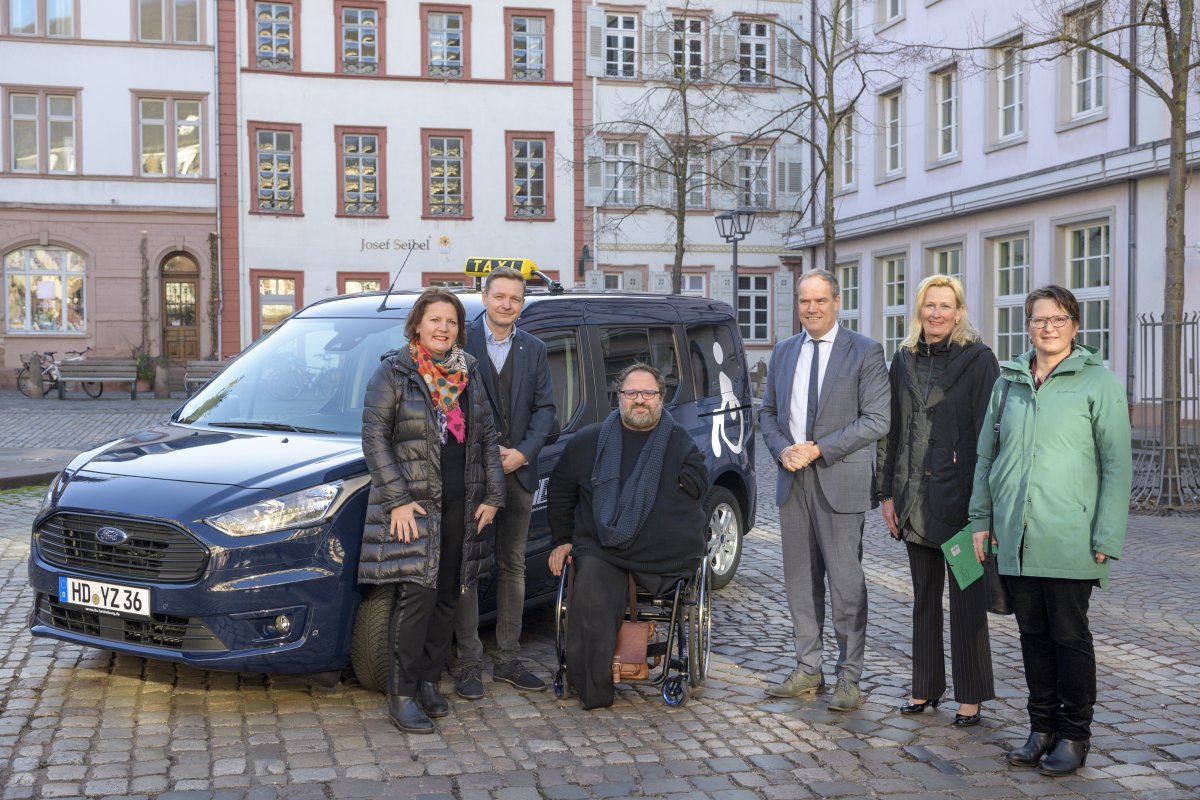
(48, 499)
(295, 510)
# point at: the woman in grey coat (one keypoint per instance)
(436, 482)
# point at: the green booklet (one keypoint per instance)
(960, 554)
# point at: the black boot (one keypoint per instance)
(1066, 757)
(1030, 753)
(407, 715)
(431, 700)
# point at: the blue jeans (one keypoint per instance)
(512, 533)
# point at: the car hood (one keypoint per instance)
(279, 462)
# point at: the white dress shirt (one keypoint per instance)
(798, 410)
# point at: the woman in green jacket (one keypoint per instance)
(1055, 497)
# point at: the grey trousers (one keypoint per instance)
(512, 533)
(819, 542)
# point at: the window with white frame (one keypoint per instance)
(528, 48)
(891, 112)
(687, 49)
(45, 290)
(753, 305)
(695, 185)
(1087, 67)
(361, 173)
(360, 40)
(275, 156)
(170, 137)
(620, 173)
(41, 18)
(845, 11)
(446, 169)
(754, 176)
(947, 261)
(1010, 93)
(169, 21)
(529, 177)
(1010, 258)
(620, 45)
(1088, 274)
(42, 132)
(888, 10)
(274, 36)
(754, 51)
(692, 283)
(945, 112)
(844, 169)
(851, 313)
(446, 53)
(895, 310)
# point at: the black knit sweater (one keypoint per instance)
(673, 538)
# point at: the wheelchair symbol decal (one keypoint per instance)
(729, 408)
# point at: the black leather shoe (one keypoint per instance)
(919, 708)
(431, 700)
(1066, 757)
(407, 715)
(1030, 753)
(963, 720)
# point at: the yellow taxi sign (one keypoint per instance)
(480, 267)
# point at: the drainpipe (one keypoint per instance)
(215, 274)
(1131, 199)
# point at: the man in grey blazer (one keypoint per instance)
(516, 377)
(819, 419)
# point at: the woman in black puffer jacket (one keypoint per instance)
(941, 378)
(436, 482)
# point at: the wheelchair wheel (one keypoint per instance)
(560, 682)
(675, 691)
(700, 629)
(560, 623)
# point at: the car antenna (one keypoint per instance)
(383, 303)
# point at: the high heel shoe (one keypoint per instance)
(963, 720)
(919, 708)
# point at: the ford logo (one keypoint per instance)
(111, 535)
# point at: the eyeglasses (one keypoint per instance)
(634, 394)
(1058, 321)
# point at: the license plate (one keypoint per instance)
(106, 598)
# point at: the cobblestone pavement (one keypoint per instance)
(81, 722)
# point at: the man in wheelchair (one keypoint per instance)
(625, 499)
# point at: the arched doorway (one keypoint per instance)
(180, 288)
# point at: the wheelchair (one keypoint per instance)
(682, 643)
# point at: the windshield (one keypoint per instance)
(310, 375)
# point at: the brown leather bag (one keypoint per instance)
(629, 658)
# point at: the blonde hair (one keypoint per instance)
(964, 331)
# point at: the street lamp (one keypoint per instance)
(733, 226)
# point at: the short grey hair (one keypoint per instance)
(824, 275)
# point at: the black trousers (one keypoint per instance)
(599, 597)
(422, 623)
(970, 648)
(1056, 645)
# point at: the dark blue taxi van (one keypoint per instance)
(228, 537)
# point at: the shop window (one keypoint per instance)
(45, 288)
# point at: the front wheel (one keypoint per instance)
(724, 535)
(369, 654)
(24, 381)
(93, 388)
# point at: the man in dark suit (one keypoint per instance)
(516, 377)
(827, 400)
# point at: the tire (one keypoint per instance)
(700, 630)
(93, 388)
(724, 535)
(24, 381)
(369, 642)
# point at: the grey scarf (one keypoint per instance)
(620, 513)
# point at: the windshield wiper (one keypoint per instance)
(268, 426)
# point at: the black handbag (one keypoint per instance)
(995, 594)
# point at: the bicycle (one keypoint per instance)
(50, 376)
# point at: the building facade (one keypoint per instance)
(107, 179)
(1010, 169)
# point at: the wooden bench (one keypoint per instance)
(112, 370)
(199, 373)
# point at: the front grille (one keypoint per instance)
(153, 552)
(161, 630)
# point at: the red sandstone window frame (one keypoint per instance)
(426, 135)
(295, 129)
(547, 137)
(42, 95)
(383, 278)
(380, 135)
(438, 8)
(546, 14)
(251, 34)
(255, 276)
(380, 9)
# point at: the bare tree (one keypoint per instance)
(1155, 42)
